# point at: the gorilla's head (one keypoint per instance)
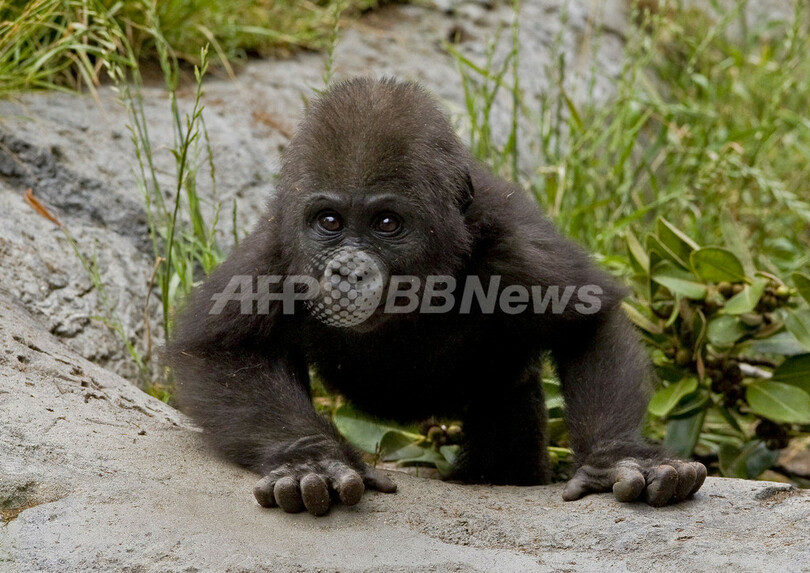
(376, 176)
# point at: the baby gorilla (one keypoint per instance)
(415, 283)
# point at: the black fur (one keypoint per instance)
(244, 378)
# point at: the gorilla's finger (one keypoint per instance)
(374, 479)
(574, 489)
(686, 479)
(586, 480)
(345, 480)
(315, 494)
(288, 495)
(700, 471)
(628, 484)
(661, 484)
(263, 491)
(350, 487)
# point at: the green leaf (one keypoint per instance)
(798, 323)
(654, 250)
(748, 461)
(364, 431)
(658, 250)
(445, 468)
(640, 320)
(734, 241)
(638, 256)
(729, 417)
(668, 397)
(553, 394)
(668, 372)
(783, 343)
(747, 300)
(779, 402)
(802, 283)
(713, 264)
(678, 281)
(683, 433)
(676, 241)
(360, 430)
(396, 446)
(450, 453)
(730, 464)
(794, 371)
(690, 405)
(724, 330)
(427, 457)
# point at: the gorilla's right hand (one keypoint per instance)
(316, 485)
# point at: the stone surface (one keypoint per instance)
(97, 476)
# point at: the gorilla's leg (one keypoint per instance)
(505, 434)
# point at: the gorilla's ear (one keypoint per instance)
(468, 192)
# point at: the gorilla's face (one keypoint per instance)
(367, 192)
(353, 244)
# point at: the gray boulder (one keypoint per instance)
(97, 476)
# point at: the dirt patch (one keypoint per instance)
(776, 494)
(18, 495)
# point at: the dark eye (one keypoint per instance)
(330, 222)
(388, 224)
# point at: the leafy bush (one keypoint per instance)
(702, 120)
(731, 345)
(391, 442)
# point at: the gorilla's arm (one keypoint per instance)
(602, 365)
(604, 377)
(238, 378)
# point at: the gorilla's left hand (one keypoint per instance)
(660, 481)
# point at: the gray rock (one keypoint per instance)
(757, 16)
(97, 476)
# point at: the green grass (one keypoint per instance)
(238, 28)
(64, 44)
(185, 244)
(54, 44)
(703, 122)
